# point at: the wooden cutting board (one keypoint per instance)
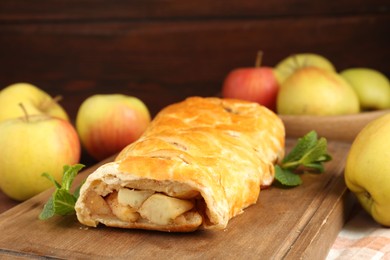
(301, 222)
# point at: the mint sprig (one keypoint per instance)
(62, 201)
(308, 154)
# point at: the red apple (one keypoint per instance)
(258, 84)
(107, 123)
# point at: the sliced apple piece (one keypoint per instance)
(161, 209)
(121, 211)
(97, 204)
(133, 198)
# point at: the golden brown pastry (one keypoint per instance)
(200, 163)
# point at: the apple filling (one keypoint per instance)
(132, 205)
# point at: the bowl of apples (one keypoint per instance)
(307, 92)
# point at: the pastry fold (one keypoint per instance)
(200, 163)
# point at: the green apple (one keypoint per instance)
(367, 171)
(290, 64)
(32, 145)
(315, 91)
(371, 86)
(35, 100)
(109, 122)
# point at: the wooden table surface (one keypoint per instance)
(300, 222)
(6, 203)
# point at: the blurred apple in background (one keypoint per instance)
(30, 146)
(257, 84)
(371, 86)
(107, 123)
(290, 64)
(35, 100)
(316, 91)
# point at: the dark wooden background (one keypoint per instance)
(163, 51)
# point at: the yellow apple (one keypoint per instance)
(315, 91)
(367, 171)
(290, 64)
(107, 123)
(35, 100)
(371, 86)
(31, 146)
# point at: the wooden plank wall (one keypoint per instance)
(163, 51)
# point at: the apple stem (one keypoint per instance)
(296, 62)
(26, 117)
(259, 59)
(49, 103)
(57, 99)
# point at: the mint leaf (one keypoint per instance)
(48, 210)
(309, 153)
(317, 167)
(286, 177)
(62, 201)
(76, 193)
(303, 144)
(315, 153)
(51, 178)
(70, 173)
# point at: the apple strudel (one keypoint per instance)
(200, 163)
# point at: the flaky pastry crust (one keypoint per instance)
(216, 153)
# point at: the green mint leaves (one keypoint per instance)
(309, 153)
(62, 201)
